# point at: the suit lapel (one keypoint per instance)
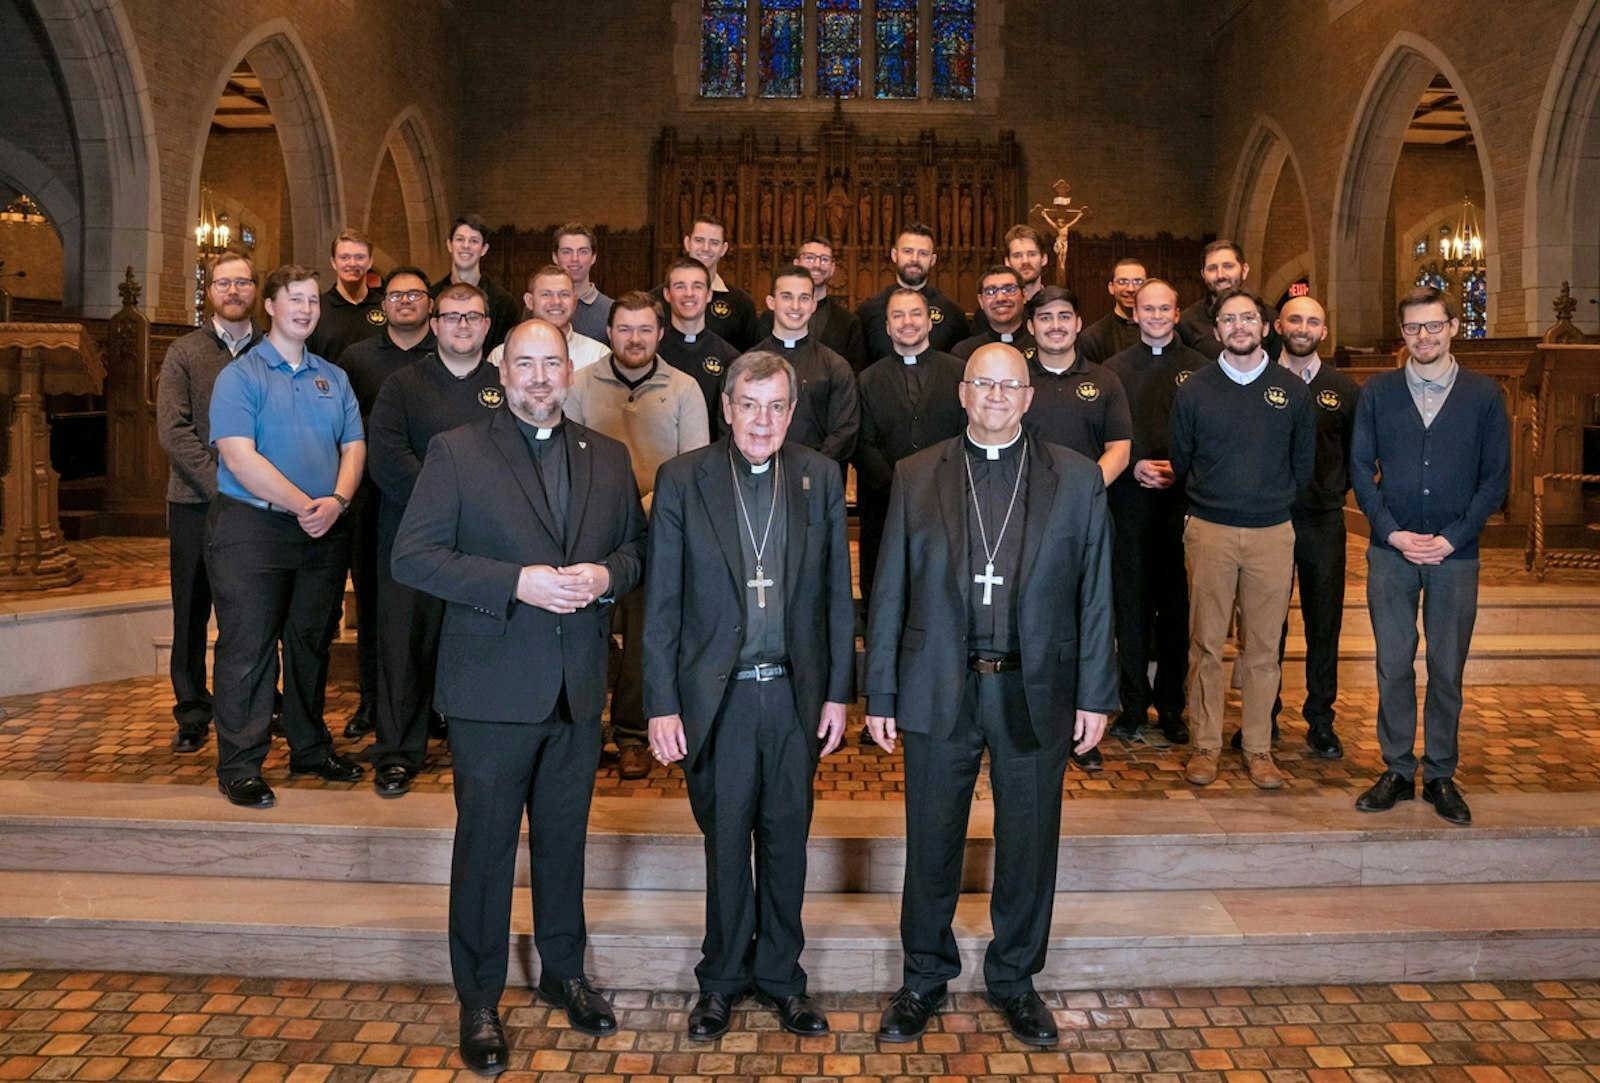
(950, 478)
(580, 465)
(1042, 482)
(796, 520)
(514, 449)
(716, 492)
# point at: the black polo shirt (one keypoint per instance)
(344, 323)
(1084, 408)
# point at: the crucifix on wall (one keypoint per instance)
(1061, 216)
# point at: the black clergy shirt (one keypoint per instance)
(550, 466)
(764, 639)
(992, 629)
(705, 356)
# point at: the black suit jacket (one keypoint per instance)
(890, 431)
(916, 636)
(476, 517)
(694, 592)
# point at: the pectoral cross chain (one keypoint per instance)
(989, 581)
(761, 583)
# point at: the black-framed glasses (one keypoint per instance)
(1433, 327)
(1242, 319)
(228, 284)
(1007, 290)
(451, 319)
(394, 297)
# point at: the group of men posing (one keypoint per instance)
(489, 484)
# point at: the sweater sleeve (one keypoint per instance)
(1180, 434)
(1494, 472)
(1364, 468)
(193, 459)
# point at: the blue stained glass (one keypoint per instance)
(1475, 306)
(954, 59)
(838, 48)
(783, 46)
(896, 40)
(722, 48)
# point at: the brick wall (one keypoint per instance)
(244, 171)
(386, 225)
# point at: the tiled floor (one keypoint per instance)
(108, 564)
(148, 1027)
(1513, 739)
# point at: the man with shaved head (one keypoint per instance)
(529, 526)
(1004, 538)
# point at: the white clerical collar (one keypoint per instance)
(1312, 368)
(909, 358)
(791, 343)
(1247, 377)
(543, 434)
(1007, 336)
(992, 451)
(762, 469)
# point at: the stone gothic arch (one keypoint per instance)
(1255, 180)
(1366, 180)
(1561, 223)
(416, 160)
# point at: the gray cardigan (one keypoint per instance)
(183, 412)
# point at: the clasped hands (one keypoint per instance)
(1087, 730)
(1154, 473)
(319, 516)
(562, 590)
(669, 745)
(1421, 548)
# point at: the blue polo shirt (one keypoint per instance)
(298, 417)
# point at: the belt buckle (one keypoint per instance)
(767, 671)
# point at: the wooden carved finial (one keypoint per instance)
(1566, 306)
(130, 290)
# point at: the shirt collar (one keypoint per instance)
(749, 468)
(234, 346)
(1079, 364)
(1444, 383)
(269, 353)
(1249, 377)
(1311, 371)
(991, 451)
(590, 295)
(718, 285)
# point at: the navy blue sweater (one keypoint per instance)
(1445, 479)
(1243, 452)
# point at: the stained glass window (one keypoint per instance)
(896, 41)
(783, 46)
(838, 48)
(722, 47)
(954, 67)
(1475, 306)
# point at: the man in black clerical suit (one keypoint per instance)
(1000, 300)
(827, 415)
(909, 401)
(1116, 330)
(1224, 268)
(528, 526)
(749, 666)
(451, 387)
(990, 627)
(687, 343)
(833, 325)
(913, 258)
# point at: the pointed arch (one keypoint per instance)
(25, 173)
(1356, 300)
(1255, 180)
(416, 160)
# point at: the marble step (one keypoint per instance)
(1502, 610)
(640, 843)
(644, 939)
(1495, 658)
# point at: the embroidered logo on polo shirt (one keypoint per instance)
(712, 365)
(323, 388)
(1328, 399)
(1088, 392)
(376, 317)
(491, 397)
(1028, 354)
(721, 309)
(935, 313)
(1182, 376)
(1276, 397)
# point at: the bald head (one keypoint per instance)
(995, 407)
(1303, 325)
(535, 372)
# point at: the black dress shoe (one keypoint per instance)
(799, 1014)
(483, 1041)
(586, 1009)
(908, 1013)
(1382, 794)
(1127, 726)
(1028, 1018)
(252, 792)
(438, 728)
(191, 736)
(1237, 741)
(1173, 728)
(1091, 760)
(1323, 742)
(710, 1017)
(334, 768)
(393, 781)
(363, 722)
(1446, 800)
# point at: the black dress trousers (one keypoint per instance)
(363, 516)
(1150, 596)
(1319, 569)
(751, 788)
(191, 612)
(408, 651)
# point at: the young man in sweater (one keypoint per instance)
(1244, 443)
(1439, 436)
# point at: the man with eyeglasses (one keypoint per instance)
(1244, 444)
(528, 527)
(451, 386)
(1224, 268)
(833, 325)
(368, 363)
(827, 414)
(913, 258)
(657, 413)
(990, 630)
(468, 243)
(551, 298)
(749, 669)
(183, 425)
(1026, 255)
(1117, 330)
(351, 310)
(1000, 299)
(574, 251)
(687, 344)
(1152, 596)
(1430, 460)
(909, 401)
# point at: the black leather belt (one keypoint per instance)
(262, 505)
(762, 671)
(1003, 664)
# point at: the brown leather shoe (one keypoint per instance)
(1263, 772)
(1201, 769)
(633, 761)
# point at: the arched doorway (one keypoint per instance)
(1268, 211)
(1362, 263)
(407, 212)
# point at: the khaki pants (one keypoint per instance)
(1252, 567)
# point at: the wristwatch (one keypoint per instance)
(344, 505)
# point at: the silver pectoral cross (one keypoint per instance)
(761, 583)
(989, 581)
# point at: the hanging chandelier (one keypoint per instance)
(24, 210)
(1462, 248)
(212, 232)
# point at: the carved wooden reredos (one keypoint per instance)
(859, 192)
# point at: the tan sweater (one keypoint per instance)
(662, 419)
